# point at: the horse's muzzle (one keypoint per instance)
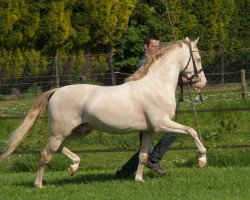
(199, 83)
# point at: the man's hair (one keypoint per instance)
(150, 37)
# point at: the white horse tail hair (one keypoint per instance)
(22, 131)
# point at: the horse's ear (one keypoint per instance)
(187, 39)
(196, 42)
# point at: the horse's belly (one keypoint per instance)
(115, 130)
(114, 112)
(116, 123)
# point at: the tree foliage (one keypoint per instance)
(222, 25)
(33, 31)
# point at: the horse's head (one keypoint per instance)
(192, 70)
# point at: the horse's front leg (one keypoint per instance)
(143, 156)
(170, 126)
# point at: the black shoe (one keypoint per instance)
(155, 166)
(122, 174)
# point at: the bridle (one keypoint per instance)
(194, 78)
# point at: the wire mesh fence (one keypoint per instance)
(48, 82)
(96, 69)
(29, 87)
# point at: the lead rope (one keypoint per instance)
(180, 99)
(195, 112)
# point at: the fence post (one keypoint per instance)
(57, 69)
(243, 84)
(222, 63)
(111, 66)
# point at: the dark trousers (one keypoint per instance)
(158, 152)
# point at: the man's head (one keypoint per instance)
(151, 44)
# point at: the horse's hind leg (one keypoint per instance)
(79, 131)
(75, 159)
(46, 154)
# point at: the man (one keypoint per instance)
(151, 45)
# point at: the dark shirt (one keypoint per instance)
(142, 62)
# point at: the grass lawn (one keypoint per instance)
(226, 177)
(179, 183)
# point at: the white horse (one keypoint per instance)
(145, 103)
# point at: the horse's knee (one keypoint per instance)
(143, 157)
(192, 132)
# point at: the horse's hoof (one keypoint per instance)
(202, 164)
(71, 171)
(139, 179)
(37, 185)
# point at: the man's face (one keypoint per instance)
(152, 47)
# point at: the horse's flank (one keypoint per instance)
(165, 48)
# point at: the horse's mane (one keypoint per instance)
(164, 48)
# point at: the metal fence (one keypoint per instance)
(47, 82)
(17, 88)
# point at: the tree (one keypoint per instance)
(144, 21)
(221, 25)
(19, 26)
(31, 30)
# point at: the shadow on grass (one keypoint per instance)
(85, 179)
(82, 179)
(76, 180)
(93, 177)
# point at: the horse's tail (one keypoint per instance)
(22, 131)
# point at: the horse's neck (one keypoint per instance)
(166, 71)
